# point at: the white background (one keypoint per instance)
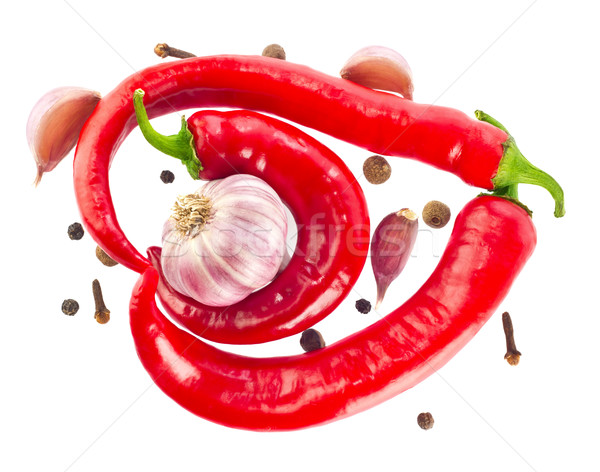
(74, 395)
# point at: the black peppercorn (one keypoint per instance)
(167, 176)
(363, 306)
(75, 231)
(70, 307)
(425, 420)
(311, 340)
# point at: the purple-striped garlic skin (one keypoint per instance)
(225, 241)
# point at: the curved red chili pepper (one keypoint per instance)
(330, 211)
(480, 153)
(491, 241)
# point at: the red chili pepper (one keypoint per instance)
(478, 152)
(491, 241)
(328, 206)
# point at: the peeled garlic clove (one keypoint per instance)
(382, 68)
(55, 122)
(391, 245)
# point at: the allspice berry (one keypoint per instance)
(436, 214)
(105, 258)
(377, 169)
(274, 50)
(425, 420)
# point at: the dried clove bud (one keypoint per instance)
(380, 68)
(377, 169)
(163, 50)
(75, 231)
(512, 356)
(274, 50)
(425, 420)
(105, 258)
(391, 245)
(363, 306)
(102, 314)
(70, 307)
(311, 340)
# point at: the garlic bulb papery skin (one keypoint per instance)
(381, 68)
(55, 122)
(224, 241)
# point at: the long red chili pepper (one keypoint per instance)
(478, 152)
(491, 241)
(329, 208)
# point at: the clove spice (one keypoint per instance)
(163, 50)
(512, 355)
(102, 314)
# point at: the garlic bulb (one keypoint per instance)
(382, 68)
(55, 122)
(224, 241)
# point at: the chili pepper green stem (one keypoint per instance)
(515, 169)
(511, 191)
(180, 145)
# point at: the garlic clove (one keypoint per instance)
(55, 122)
(391, 245)
(382, 68)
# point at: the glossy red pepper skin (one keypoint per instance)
(491, 240)
(328, 206)
(380, 122)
